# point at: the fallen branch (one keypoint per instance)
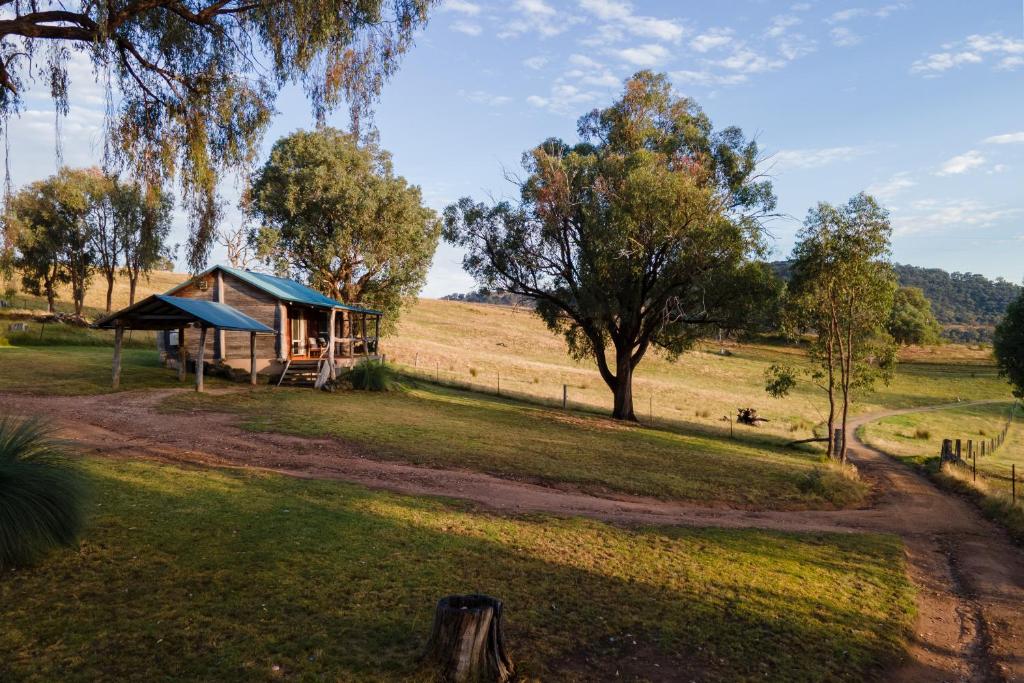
(817, 439)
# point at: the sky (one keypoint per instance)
(920, 103)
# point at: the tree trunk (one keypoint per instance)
(50, 296)
(110, 290)
(467, 643)
(132, 281)
(623, 389)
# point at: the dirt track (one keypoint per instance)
(970, 577)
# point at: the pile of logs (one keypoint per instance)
(748, 416)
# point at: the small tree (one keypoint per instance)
(35, 236)
(332, 212)
(236, 241)
(144, 223)
(1008, 344)
(911, 320)
(842, 290)
(639, 236)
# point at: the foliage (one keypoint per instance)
(41, 497)
(957, 299)
(1008, 344)
(372, 376)
(911, 320)
(842, 290)
(143, 219)
(779, 380)
(637, 236)
(195, 82)
(331, 211)
(66, 227)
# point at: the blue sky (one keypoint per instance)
(919, 102)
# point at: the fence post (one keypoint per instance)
(947, 450)
(958, 453)
(1013, 482)
(974, 469)
(565, 396)
(837, 442)
(983, 448)
(970, 447)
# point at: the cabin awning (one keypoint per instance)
(163, 312)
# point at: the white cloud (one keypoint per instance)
(584, 61)
(485, 98)
(846, 15)
(892, 187)
(800, 7)
(537, 62)
(844, 37)
(814, 158)
(780, 25)
(1009, 53)
(707, 78)
(711, 39)
(461, 6)
(794, 46)
(535, 7)
(1005, 139)
(620, 14)
(932, 215)
(745, 60)
(644, 55)
(962, 163)
(467, 27)
(564, 98)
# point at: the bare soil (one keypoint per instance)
(969, 575)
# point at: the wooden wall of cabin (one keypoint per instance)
(247, 299)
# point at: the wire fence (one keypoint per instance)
(964, 454)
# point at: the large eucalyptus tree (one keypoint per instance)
(640, 235)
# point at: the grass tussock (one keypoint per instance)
(41, 495)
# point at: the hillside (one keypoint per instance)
(968, 305)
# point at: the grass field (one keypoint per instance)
(206, 574)
(436, 426)
(473, 344)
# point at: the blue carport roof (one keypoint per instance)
(162, 311)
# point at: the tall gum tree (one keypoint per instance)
(640, 235)
(191, 84)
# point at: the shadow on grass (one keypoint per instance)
(193, 578)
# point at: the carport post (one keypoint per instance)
(118, 336)
(252, 358)
(182, 355)
(199, 358)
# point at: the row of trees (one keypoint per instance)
(82, 222)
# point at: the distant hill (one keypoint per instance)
(495, 298)
(968, 305)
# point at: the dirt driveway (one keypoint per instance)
(970, 577)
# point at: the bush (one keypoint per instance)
(922, 433)
(41, 497)
(372, 376)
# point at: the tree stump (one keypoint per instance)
(467, 642)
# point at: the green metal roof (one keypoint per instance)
(161, 311)
(289, 290)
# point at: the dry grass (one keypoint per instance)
(478, 345)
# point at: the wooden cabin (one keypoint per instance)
(300, 316)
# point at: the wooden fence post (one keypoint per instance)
(199, 358)
(565, 396)
(970, 447)
(118, 336)
(958, 453)
(974, 469)
(1013, 482)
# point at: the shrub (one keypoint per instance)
(922, 433)
(41, 496)
(372, 376)
(473, 372)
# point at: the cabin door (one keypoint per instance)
(300, 338)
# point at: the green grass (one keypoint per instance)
(59, 334)
(74, 370)
(443, 427)
(190, 574)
